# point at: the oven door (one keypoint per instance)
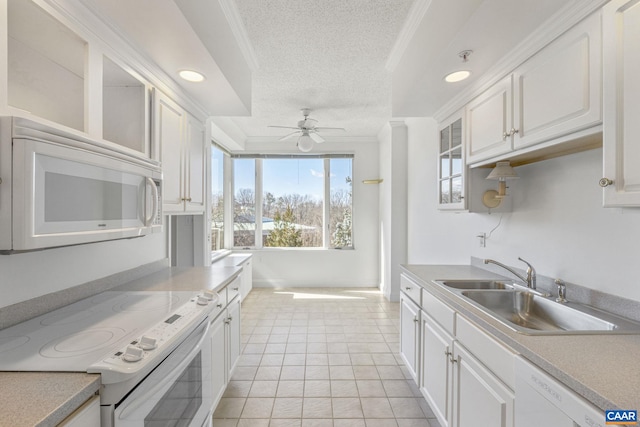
(177, 392)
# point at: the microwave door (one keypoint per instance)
(71, 196)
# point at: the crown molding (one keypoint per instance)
(559, 23)
(411, 24)
(239, 32)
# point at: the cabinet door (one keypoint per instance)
(558, 90)
(168, 126)
(451, 164)
(233, 335)
(489, 121)
(621, 25)
(436, 368)
(247, 278)
(88, 415)
(218, 364)
(409, 329)
(479, 398)
(195, 169)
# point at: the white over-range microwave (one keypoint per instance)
(61, 189)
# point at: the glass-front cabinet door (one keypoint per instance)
(451, 168)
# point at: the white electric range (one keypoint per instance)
(142, 343)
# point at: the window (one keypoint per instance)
(217, 198)
(244, 203)
(293, 201)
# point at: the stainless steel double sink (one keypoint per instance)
(534, 313)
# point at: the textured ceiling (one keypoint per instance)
(326, 55)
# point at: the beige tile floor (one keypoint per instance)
(321, 357)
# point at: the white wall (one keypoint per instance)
(393, 206)
(319, 267)
(29, 275)
(557, 223)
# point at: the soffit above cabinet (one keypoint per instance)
(490, 28)
(169, 34)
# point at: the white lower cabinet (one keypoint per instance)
(88, 415)
(436, 372)
(219, 373)
(461, 390)
(479, 397)
(225, 345)
(233, 335)
(465, 375)
(409, 334)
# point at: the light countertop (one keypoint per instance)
(43, 398)
(604, 369)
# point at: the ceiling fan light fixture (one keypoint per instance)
(191, 76)
(305, 143)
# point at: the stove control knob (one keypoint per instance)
(208, 294)
(148, 343)
(202, 300)
(132, 354)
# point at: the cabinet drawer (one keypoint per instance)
(439, 311)
(411, 289)
(492, 354)
(233, 289)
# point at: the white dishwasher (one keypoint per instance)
(543, 401)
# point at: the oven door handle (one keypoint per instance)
(175, 372)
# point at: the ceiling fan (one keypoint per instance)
(306, 131)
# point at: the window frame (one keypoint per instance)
(326, 214)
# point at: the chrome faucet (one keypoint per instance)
(530, 279)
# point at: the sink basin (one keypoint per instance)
(476, 284)
(533, 314)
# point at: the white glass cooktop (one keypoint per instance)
(73, 337)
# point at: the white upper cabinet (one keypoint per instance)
(554, 94)
(180, 138)
(489, 122)
(558, 91)
(45, 67)
(621, 179)
(125, 109)
(196, 157)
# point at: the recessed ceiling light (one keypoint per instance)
(191, 76)
(457, 76)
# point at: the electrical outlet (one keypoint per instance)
(482, 238)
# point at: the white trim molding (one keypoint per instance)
(411, 25)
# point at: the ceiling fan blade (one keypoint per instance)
(289, 136)
(282, 127)
(317, 138)
(325, 128)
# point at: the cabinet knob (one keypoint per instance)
(415, 319)
(505, 135)
(513, 131)
(605, 182)
(219, 305)
(408, 288)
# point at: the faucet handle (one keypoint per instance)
(562, 291)
(531, 274)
